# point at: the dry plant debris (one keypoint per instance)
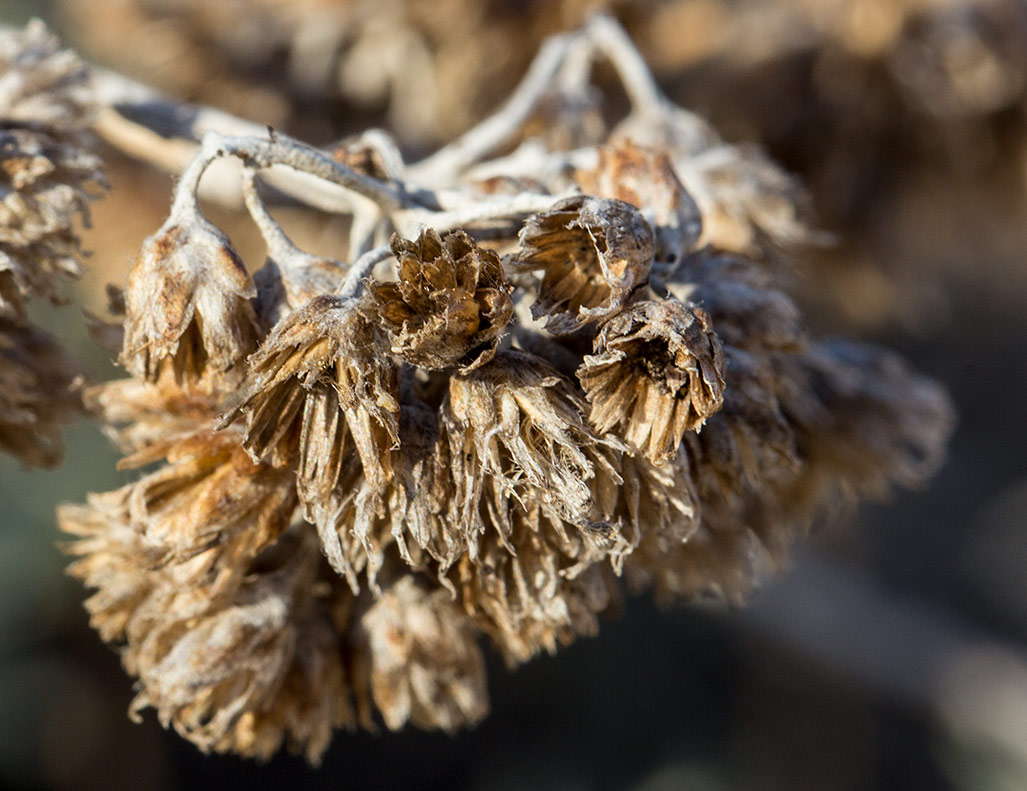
(48, 174)
(507, 402)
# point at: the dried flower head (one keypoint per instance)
(516, 434)
(387, 484)
(321, 393)
(210, 505)
(744, 198)
(188, 305)
(539, 587)
(38, 393)
(593, 253)
(237, 669)
(645, 178)
(658, 372)
(418, 660)
(450, 304)
(47, 172)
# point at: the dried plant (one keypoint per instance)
(513, 395)
(48, 174)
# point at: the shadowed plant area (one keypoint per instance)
(393, 430)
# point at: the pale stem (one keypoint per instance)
(279, 245)
(361, 268)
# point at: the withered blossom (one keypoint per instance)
(658, 372)
(645, 178)
(242, 669)
(38, 393)
(450, 303)
(188, 305)
(538, 588)
(351, 488)
(746, 306)
(515, 432)
(211, 504)
(592, 253)
(48, 174)
(744, 198)
(320, 395)
(417, 658)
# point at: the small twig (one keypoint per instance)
(279, 245)
(361, 268)
(611, 40)
(514, 207)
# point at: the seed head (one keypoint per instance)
(658, 372)
(592, 252)
(450, 304)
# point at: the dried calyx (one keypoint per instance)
(346, 500)
(592, 254)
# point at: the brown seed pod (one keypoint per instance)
(592, 252)
(450, 304)
(658, 372)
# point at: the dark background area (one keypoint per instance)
(892, 655)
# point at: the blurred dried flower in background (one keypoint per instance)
(360, 472)
(48, 174)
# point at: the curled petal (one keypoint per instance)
(450, 304)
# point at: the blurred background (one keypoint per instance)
(894, 652)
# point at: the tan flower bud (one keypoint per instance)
(593, 253)
(658, 372)
(418, 660)
(188, 302)
(645, 178)
(450, 304)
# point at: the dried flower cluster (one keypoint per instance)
(551, 378)
(47, 173)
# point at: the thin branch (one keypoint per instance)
(279, 245)
(361, 268)
(611, 40)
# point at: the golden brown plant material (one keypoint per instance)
(361, 470)
(450, 303)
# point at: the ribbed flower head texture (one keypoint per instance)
(592, 253)
(450, 303)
